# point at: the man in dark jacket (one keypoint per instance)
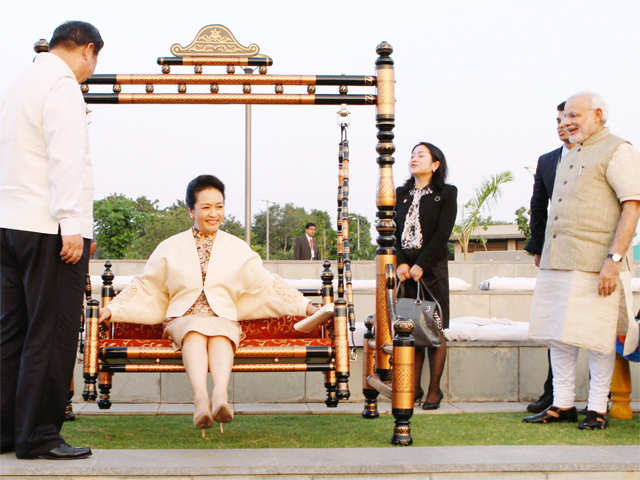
(542, 191)
(306, 247)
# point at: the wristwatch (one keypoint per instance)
(616, 257)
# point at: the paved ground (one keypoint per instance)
(427, 463)
(302, 408)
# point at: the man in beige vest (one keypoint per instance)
(583, 296)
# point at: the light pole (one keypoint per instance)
(268, 205)
(247, 168)
(357, 219)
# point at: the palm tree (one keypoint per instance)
(483, 197)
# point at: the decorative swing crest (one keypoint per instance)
(215, 40)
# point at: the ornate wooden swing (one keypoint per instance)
(389, 361)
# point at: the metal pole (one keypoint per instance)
(247, 169)
(267, 230)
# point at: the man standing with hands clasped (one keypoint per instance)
(582, 297)
(46, 226)
(306, 247)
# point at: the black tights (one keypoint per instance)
(437, 357)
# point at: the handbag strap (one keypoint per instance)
(424, 285)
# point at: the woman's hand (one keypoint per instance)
(311, 309)
(416, 272)
(105, 315)
(403, 272)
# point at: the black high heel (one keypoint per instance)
(418, 396)
(433, 405)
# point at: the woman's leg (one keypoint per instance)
(220, 355)
(437, 357)
(419, 361)
(194, 357)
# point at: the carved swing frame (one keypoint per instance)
(388, 360)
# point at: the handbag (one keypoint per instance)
(426, 315)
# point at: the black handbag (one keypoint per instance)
(426, 314)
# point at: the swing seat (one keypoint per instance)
(267, 345)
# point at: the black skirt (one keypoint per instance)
(436, 276)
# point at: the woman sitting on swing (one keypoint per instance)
(198, 283)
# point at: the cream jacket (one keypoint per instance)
(237, 285)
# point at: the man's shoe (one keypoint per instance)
(594, 421)
(66, 452)
(541, 404)
(553, 414)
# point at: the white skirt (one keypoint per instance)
(207, 325)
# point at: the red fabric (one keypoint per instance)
(137, 331)
(259, 342)
(263, 328)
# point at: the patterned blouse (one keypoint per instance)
(204, 243)
(412, 234)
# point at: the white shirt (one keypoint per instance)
(309, 240)
(46, 179)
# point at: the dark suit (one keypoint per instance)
(437, 216)
(540, 198)
(302, 250)
(542, 191)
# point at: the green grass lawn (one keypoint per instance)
(323, 431)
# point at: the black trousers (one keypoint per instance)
(40, 307)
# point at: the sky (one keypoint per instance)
(481, 80)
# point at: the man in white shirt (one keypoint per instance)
(46, 223)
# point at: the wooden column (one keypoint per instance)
(385, 201)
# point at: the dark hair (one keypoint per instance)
(560, 106)
(202, 182)
(309, 224)
(76, 34)
(440, 175)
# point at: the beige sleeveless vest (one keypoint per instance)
(584, 210)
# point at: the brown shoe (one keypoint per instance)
(553, 414)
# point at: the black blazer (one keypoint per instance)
(542, 191)
(437, 218)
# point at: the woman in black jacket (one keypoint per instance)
(425, 214)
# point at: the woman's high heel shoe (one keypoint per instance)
(433, 405)
(202, 418)
(222, 414)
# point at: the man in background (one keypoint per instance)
(46, 226)
(306, 247)
(542, 191)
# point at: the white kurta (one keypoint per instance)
(566, 308)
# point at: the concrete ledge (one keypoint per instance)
(426, 463)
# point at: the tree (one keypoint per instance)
(165, 223)
(119, 221)
(522, 219)
(470, 215)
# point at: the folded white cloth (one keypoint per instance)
(508, 283)
(119, 282)
(454, 284)
(486, 329)
(309, 324)
(527, 283)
